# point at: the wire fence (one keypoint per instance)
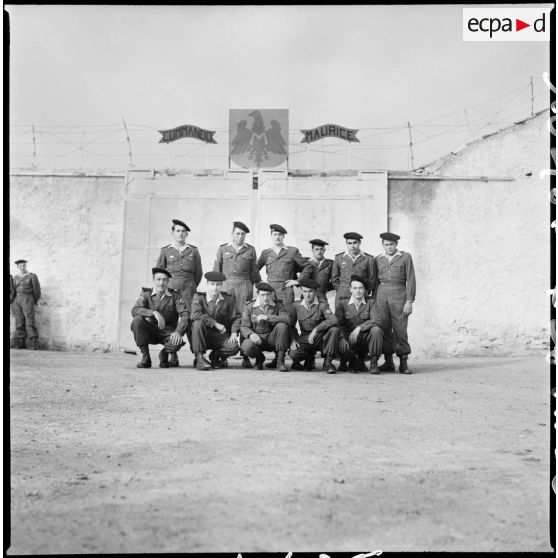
(404, 146)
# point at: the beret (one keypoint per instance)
(181, 223)
(309, 283)
(278, 228)
(318, 242)
(160, 270)
(263, 286)
(357, 278)
(390, 236)
(20, 261)
(240, 225)
(215, 276)
(353, 235)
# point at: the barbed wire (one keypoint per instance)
(35, 146)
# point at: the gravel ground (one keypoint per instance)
(107, 458)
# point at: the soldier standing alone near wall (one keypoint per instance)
(28, 293)
(395, 297)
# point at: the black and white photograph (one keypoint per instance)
(281, 279)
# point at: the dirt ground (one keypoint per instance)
(107, 458)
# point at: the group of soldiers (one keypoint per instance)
(373, 299)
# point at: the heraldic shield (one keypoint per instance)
(258, 138)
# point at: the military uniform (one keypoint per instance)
(28, 293)
(397, 285)
(281, 267)
(185, 267)
(13, 292)
(344, 266)
(366, 316)
(205, 314)
(144, 325)
(317, 316)
(274, 332)
(241, 269)
(320, 272)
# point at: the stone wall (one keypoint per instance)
(481, 247)
(70, 230)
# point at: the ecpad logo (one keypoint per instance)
(506, 24)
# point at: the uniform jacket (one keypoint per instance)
(171, 307)
(181, 264)
(28, 284)
(319, 316)
(322, 274)
(13, 292)
(399, 271)
(276, 314)
(224, 313)
(363, 266)
(282, 266)
(367, 315)
(239, 265)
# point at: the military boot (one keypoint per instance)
(272, 363)
(33, 344)
(329, 368)
(361, 365)
(260, 362)
(145, 361)
(246, 362)
(214, 360)
(374, 365)
(353, 365)
(202, 363)
(281, 366)
(403, 368)
(388, 365)
(18, 343)
(309, 364)
(296, 365)
(164, 359)
(173, 360)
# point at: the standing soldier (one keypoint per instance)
(395, 297)
(28, 293)
(237, 260)
(183, 261)
(160, 317)
(318, 329)
(265, 326)
(13, 292)
(352, 262)
(360, 323)
(319, 268)
(281, 264)
(215, 324)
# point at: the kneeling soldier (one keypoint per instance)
(160, 317)
(360, 323)
(265, 326)
(215, 324)
(318, 329)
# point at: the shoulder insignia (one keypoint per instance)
(224, 244)
(249, 302)
(340, 254)
(367, 254)
(193, 247)
(166, 246)
(199, 293)
(147, 289)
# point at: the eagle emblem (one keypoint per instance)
(258, 138)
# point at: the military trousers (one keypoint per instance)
(343, 291)
(242, 289)
(204, 338)
(283, 294)
(23, 309)
(368, 342)
(326, 341)
(186, 286)
(146, 332)
(277, 340)
(391, 298)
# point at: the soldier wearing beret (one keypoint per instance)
(215, 324)
(265, 326)
(360, 322)
(319, 268)
(160, 317)
(352, 262)
(395, 296)
(318, 329)
(183, 261)
(27, 294)
(282, 264)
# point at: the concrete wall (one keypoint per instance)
(481, 248)
(70, 230)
